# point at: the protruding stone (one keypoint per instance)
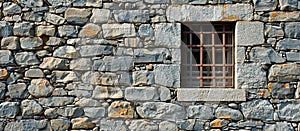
(88, 3)
(31, 3)
(281, 90)
(77, 16)
(87, 102)
(3, 74)
(26, 58)
(293, 56)
(142, 125)
(139, 16)
(118, 30)
(265, 56)
(94, 50)
(34, 73)
(70, 112)
(143, 77)
(167, 35)
(217, 123)
(272, 30)
(60, 124)
(30, 108)
(121, 109)
(200, 112)
(100, 16)
(112, 125)
(141, 94)
(5, 29)
(167, 75)
(31, 43)
(94, 112)
(284, 73)
(82, 123)
(32, 16)
(45, 30)
(151, 55)
(9, 109)
(56, 101)
(40, 88)
(24, 29)
(65, 76)
(107, 93)
(90, 31)
(5, 57)
(68, 31)
(167, 126)
(262, 5)
(146, 30)
(250, 75)
(288, 44)
(52, 63)
(257, 109)
(10, 43)
(249, 33)
(81, 64)
(291, 30)
(287, 109)
(66, 52)
(10, 8)
(161, 110)
(17, 91)
(54, 41)
(228, 113)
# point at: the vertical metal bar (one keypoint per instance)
(232, 59)
(224, 56)
(213, 57)
(201, 56)
(191, 58)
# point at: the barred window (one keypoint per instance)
(208, 55)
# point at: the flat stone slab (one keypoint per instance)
(211, 94)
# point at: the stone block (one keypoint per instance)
(287, 110)
(291, 30)
(202, 112)
(10, 43)
(81, 64)
(250, 75)
(167, 75)
(143, 77)
(190, 124)
(66, 52)
(151, 55)
(100, 16)
(26, 125)
(281, 90)
(133, 42)
(90, 31)
(57, 3)
(65, 76)
(3, 74)
(278, 16)
(249, 33)
(9, 109)
(279, 126)
(94, 50)
(30, 108)
(142, 125)
(24, 29)
(284, 73)
(112, 125)
(157, 1)
(146, 31)
(10, 8)
(263, 5)
(40, 88)
(293, 56)
(55, 101)
(241, 57)
(52, 63)
(191, 13)
(60, 124)
(31, 3)
(141, 94)
(77, 15)
(167, 35)
(168, 126)
(121, 109)
(288, 5)
(161, 110)
(94, 112)
(228, 113)
(132, 16)
(118, 30)
(257, 109)
(54, 41)
(54, 19)
(5, 29)
(82, 123)
(87, 3)
(194, 94)
(45, 30)
(272, 30)
(107, 93)
(32, 16)
(34, 73)
(68, 31)
(264, 55)
(6, 57)
(87, 102)
(26, 58)
(17, 91)
(31, 43)
(288, 44)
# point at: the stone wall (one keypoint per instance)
(115, 65)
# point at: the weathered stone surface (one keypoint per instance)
(118, 30)
(280, 126)
(89, 3)
(284, 73)
(54, 19)
(143, 77)
(17, 91)
(30, 108)
(9, 109)
(107, 92)
(288, 4)
(77, 16)
(65, 76)
(211, 94)
(31, 3)
(40, 88)
(157, 1)
(80, 93)
(249, 33)
(79, 86)
(264, 55)
(87, 102)
(167, 35)
(3, 74)
(263, 5)
(26, 125)
(167, 75)
(6, 57)
(228, 113)
(60, 124)
(5, 29)
(54, 41)
(2, 90)
(218, 123)
(112, 125)
(200, 112)
(121, 109)
(56, 3)
(70, 112)
(82, 123)
(289, 110)
(31, 43)
(94, 112)
(291, 30)
(164, 94)
(273, 30)
(293, 56)
(56, 101)
(90, 31)
(139, 16)
(10, 43)
(151, 55)
(32, 16)
(190, 124)
(190, 13)
(161, 110)
(52, 63)
(257, 109)
(91, 77)
(24, 29)
(81, 64)
(198, 2)
(94, 50)
(34, 73)
(10, 8)
(288, 44)
(281, 90)
(68, 31)
(109, 63)
(145, 30)
(167, 126)
(100, 16)
(142, 125)
(66, 52)
(250, 75)
(141, 94)
(45, 30)
(277, 16)
(26, 58)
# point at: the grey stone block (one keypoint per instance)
(257, 109)
(94, 50)
(265, 56)
(81, 64)
(263, 5)
(57, 3)
(40, 88)
(90, 31)
(118, 30)
(60, 124)
(167, 75)
(68, 31)
(279, 126)
(113, 125)
(200, 112)
(213, 94)
(249, 33)
(291, 30)
(133, 16)
(34, 73)
(190, 124)
(45, 30)
(52, 63)
(141, 94)
(87, 3)
(293, 56)
(24, 29)
(31, 3)
(9, 109)
(10, 8)
(289, 5)
(29, 124)
(30, 107)
(250, 75)
(100, 16)
(65, 76)
(77, 15)
(66, 52)
(5, 29)
(272, 30)
(167, 35)
(54, 41)
(17, 91)
(107, 93)
(228, 113)
(288, 44)
(142, 125)
(190, 13)
(143, 77)
(146, 30)
(6, 57)
(286, 110)
(54, 19)
(32, 16)
(94, 112)
(284, 73)
(281, 90)
(31, 43)
(56, 101)
(10, 43)
(26, 58)
(167, 126)
(151, 55)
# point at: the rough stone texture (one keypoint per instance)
(273, 30)
(54, 41)
(167, 126)
(161, 110)
(68, 31)
(11, 8)
(31, 3)
(291, 30)
(77, 16)
(258, 109)
(55, 101)
(288, 5)
(88, 3)
(81, 64)
(45, 30)
(30, 107)
(288, 44)
(143, 77)
(281, 126)
(118, 30)
(54, 19)
(94, 50)
(281, 90)
(167, 35)
(107, 92)
(82, 123)
(200, 112)
(249, 33)
(31, 43)
(10, 43)
(65, 76)
(112, 125)
(26, 58)
(40, 88)
(60, 124)
(32, 16)
(189, 124)
(121, 109)
(277, 16)
(34, 73)
(142, 125)
(2, 90)
(167, 75)
(211, 94)
(100, 16)
(284, 72)
(151, 55)
(292, 56)
(5, 29)
(3, 74)
(23, 29)
(139, 16)
(90, 31)
(66, 52)
(250, 75)
(6, 57)
(288, 110)
(54, 63)
(17, 91)
(9, 109)
(94, 112)
(263, 5)
(141, 94)
(26, 125)
(228, 113)
(189, 13)
(265, 56)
